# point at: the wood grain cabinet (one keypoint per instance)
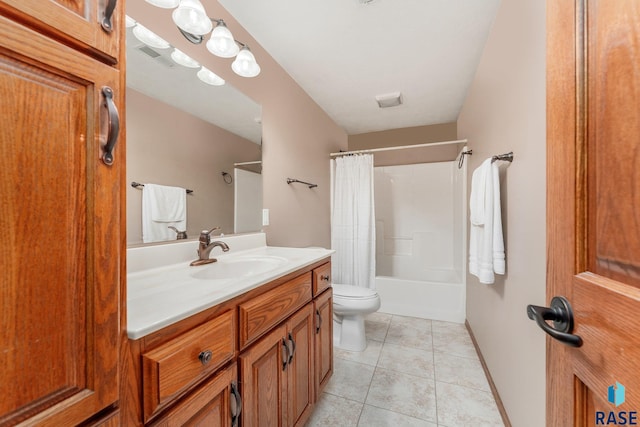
(60, 214)
(270, 358)
(90, 26)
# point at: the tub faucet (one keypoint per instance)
(206, 245)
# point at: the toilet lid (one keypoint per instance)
(350, 291)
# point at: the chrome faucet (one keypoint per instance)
(206, 245)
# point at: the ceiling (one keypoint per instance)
(345, 52)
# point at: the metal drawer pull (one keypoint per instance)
(319, 321)
(235, 403)
(325, 277)
(114, 126)
(293, 350)
(205, 357)
(285, 354)
(107, 25)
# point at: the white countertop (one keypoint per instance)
(160, 296)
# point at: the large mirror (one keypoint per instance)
(182, 132)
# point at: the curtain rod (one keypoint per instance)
(400, 147)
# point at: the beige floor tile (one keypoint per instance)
(350, 380)
(410, 332)
(462, 406)
(377, 417)
(376, 330)
(335, 411)
(403, 393)
(454, 339)
(369, 356)
(463, 371)
(409, 360)
(379, 317)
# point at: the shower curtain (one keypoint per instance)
(353, 234)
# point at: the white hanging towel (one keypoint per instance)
(163, 206)
(486, 244)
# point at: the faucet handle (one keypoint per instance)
(210, 231)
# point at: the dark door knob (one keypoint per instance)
(561, 314)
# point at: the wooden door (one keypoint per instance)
(300, 382)
(77, 22)
(210, 405)
(60, 219)
(593, 223)
(264, 380)
(323, 341)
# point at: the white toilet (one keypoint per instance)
(350, 305)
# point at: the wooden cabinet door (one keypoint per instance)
(77, 22)
(300, 366)
(593, 211)
(323, 311)
(209, 405)
(263, 383)
(60, 216)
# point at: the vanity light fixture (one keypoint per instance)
(129, 21)
(209, 77)
(245, 64)
(183, 59)
(194, 23)
(149, 38)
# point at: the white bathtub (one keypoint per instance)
(440, 298)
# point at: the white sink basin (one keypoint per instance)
(238, 266)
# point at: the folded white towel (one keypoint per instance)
(162, 206)
(486, 242)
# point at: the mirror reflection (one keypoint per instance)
(184, 132)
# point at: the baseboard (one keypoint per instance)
(494, 390)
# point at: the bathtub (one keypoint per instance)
(439, 296)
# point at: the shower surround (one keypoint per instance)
(420, 240)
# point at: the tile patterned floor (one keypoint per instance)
(414, 373)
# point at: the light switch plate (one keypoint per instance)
(265, 217)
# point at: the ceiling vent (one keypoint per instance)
(389, 100)
(157, 56)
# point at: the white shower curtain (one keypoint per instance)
(353, 234)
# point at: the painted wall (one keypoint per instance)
(167, 146)
(408, 136)
(505, 111)
(297, 134)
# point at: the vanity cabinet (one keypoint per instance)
(60, 212)
(323, 310)
(277, 374)
(262, 369)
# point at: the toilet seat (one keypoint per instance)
(350, 292)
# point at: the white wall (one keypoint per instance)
(505, 111)
(248, 201)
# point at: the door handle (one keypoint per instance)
(107, 25)
(562, 315)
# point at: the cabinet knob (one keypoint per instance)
(205, 357)
(325, 277)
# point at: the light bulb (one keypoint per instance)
(209, 77)
(245, 64)
(221, 42)
(191, 17)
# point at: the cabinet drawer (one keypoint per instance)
(321, 278)
(261, 313)
(173, 366)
